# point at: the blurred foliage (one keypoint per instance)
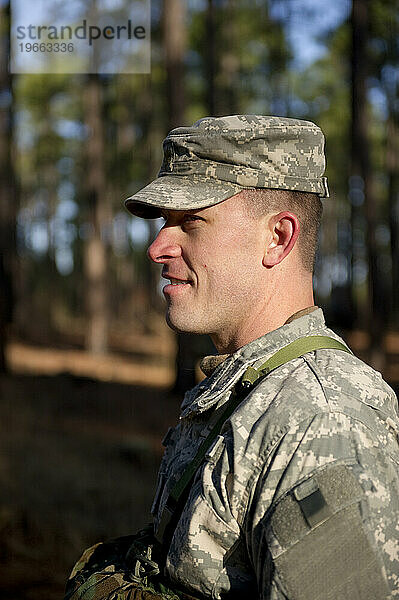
(252, 68)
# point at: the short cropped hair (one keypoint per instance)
(306, 206)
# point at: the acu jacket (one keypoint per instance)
(298, 497)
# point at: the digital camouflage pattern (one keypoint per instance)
(299, 495)
(110, 571)
(218, 157)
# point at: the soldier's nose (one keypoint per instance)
(164, 247)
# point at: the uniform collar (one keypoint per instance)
(231, 367)
(209, 363)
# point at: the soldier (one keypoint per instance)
(281, 478)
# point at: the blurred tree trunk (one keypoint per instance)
(209, 60)
(362, 174)
(221, 61)
(227, 100)
(174, 39)
(153, 133)
(391, 89)
(174, 35)
(95, 253)
(393, 193)
(8, 200)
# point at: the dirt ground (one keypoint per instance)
(78, 462)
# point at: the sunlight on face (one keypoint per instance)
(214, 258)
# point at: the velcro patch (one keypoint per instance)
(312, 502)
(327, 554)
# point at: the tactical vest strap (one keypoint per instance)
(251, 377)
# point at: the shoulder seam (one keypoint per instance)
(317, 375)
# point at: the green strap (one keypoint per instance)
(184, 480)
(296, 349)
(250, 378)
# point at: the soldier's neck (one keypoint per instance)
(229, 342)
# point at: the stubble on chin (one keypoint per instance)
(187, 323)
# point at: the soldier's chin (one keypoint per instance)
(182, 325)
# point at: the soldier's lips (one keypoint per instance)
(176, 285)
(176, 288)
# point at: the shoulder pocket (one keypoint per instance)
(325, 550)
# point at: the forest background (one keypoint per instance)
(90, 375)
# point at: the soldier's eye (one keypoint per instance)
(191, 218)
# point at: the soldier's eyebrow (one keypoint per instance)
(199, 211)
(168, 214)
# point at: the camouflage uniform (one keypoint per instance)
(298, 497)
(322, 425)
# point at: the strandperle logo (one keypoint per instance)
(84, 36)
(81, 32)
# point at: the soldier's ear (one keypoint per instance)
(283, 233)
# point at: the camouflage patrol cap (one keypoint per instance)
(219, 156)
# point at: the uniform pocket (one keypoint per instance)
(325, 552)
(200, 543)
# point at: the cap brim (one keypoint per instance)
(179, 192)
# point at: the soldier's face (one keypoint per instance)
(213, 260)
